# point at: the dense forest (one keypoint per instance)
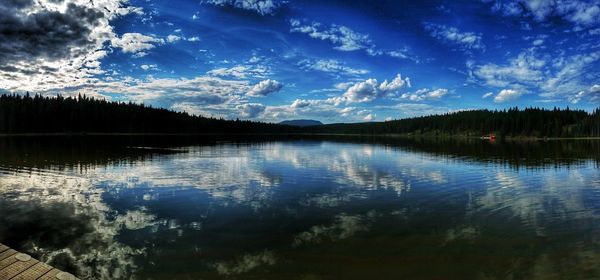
(37, 114)
(530, 122)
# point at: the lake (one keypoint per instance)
(312, 208)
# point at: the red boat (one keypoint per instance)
(490, 136)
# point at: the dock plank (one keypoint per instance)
(51, 275)
(19, 266)
(8, 261)
(3, 248)
(16, 268)
(34, 272)
(7, 254)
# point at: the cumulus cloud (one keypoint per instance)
(47, 44)
(251, 110)
(265, 87)
(451, 35)
(328, 110)
(425, 94)
(262, 7)
(173, 38)
(369, 117)
(507, 95)
(299, 103)
(136, 43)
(45, 34)
(370, 89)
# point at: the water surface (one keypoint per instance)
(105, 208)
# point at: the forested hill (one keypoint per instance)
(531, 122)
(36, 114)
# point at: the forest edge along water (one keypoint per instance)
(82, 115)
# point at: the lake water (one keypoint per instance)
(343, 208)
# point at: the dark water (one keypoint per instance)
(344, 208)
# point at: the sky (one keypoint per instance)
(334, 61)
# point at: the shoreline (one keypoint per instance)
(511, 138)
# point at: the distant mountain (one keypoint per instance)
(301, 123)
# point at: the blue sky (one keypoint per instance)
(335, 61)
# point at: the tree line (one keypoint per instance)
(529, 122)
(40, 114)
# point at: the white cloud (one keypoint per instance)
(583, 13)
(173, 38)
(135, 43)
(331, 66)
(202, 90)
(265, 87)
(342, 86)
(507, 95)
(525, 69)
(577, 97)
(451, 35)
(263, 7)
(569, 74)
(593, 93)
(369, 117)
(147, 67)
(414, 109)
(343, 37)
(299, 103)
(486, 95)
(557, 76)
(241, 71)
(370, 89)
(327, 110)
(425, 94)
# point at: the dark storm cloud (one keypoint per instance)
(43, 34)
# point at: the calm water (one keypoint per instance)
(304, 209)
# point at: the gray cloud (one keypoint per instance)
(44, 34)
(251, 110)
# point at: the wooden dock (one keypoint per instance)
(19, 266)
